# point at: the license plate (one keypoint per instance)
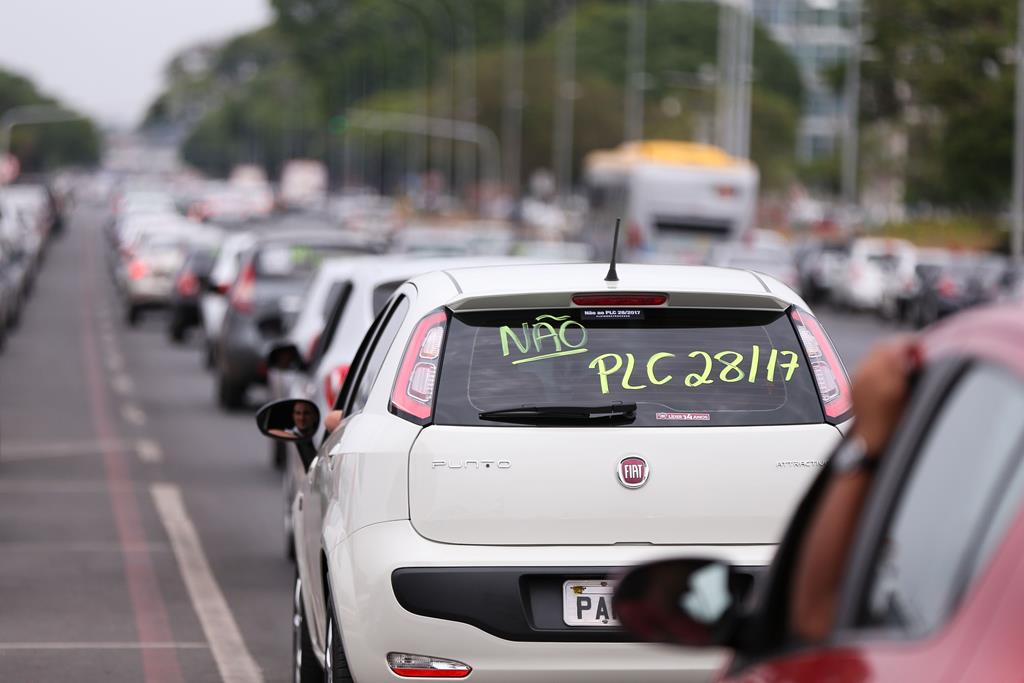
(588, 603)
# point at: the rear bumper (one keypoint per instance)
(367, 567)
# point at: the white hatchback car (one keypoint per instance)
(512, 438)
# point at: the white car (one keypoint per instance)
(213, 302)
(511, 438)
(356, 290)
(871, 264)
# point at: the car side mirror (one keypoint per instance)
(291, 420)
(690, 602)
(285, 356)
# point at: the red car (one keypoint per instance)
(933, 588)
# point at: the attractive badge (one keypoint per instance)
(633, 472)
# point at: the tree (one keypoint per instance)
(40, 148)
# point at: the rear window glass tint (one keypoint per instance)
(681, 367)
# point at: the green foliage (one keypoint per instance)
(43, 147)
(372, 54)
(943, 68)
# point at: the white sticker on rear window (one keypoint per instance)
(613, 314)
(683, 417)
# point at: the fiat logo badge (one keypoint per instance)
(633, 471)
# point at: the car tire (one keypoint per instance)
(131, 315)
(176, 332)
(336, 665)
(306, 668)
(230, 395)
(209, 356)
(278, 454)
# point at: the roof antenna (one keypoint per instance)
(612, 276)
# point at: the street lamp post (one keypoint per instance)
(32, 114)
(1017, 234)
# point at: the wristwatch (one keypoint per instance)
(852, 456)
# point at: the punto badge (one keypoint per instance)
(633, 472)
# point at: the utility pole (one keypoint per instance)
(851, 97)
(512, 111)
(636, 77)
(565, 100)
(735, 56)
(1017, 235)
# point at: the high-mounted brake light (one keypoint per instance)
(619, 299)
(829, 374)
(413, 393)
(243, 292)
(422, 666)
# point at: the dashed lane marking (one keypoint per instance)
(133, 414)
(103, 646)
(122, 384)
(149, 451)
(235, 663)
(114, 360)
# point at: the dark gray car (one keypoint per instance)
(265, 297)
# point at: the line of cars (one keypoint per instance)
(31, 213)
(901, 282)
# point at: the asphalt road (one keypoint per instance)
(140, 527)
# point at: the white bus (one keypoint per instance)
(676, 199)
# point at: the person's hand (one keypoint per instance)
(880, 389)
(332, 420)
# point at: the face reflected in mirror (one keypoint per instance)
(291, 420)
(685, 602)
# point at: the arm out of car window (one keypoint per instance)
(880, 391)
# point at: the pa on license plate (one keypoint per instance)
(588, 603)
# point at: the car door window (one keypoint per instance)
(366, 374)
(966, 475)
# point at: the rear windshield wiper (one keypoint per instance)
(542, 413)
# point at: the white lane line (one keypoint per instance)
(235, 663)
(24, 450)
(122, 383)
(103, 646)
(149, 451)
(133, 414)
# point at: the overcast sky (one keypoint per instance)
(106, 57)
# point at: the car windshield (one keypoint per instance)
(680, 367)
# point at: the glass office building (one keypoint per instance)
(818, 35)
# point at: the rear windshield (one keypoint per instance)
(683, 368)
(293, 261)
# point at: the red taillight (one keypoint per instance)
(726, 191)
(413, 393)
(333, 383)
(422, 666)
(948, 287)
(187, 284)
(619, 299)
(137, 269)
(223, 288)
(829, 374)
(244, 289)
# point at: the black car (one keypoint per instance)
(188, 285)
(265, 298)
(960, 284)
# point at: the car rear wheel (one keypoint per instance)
(131, 315)
(230, 395)
(336, 667)
(305, 667)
